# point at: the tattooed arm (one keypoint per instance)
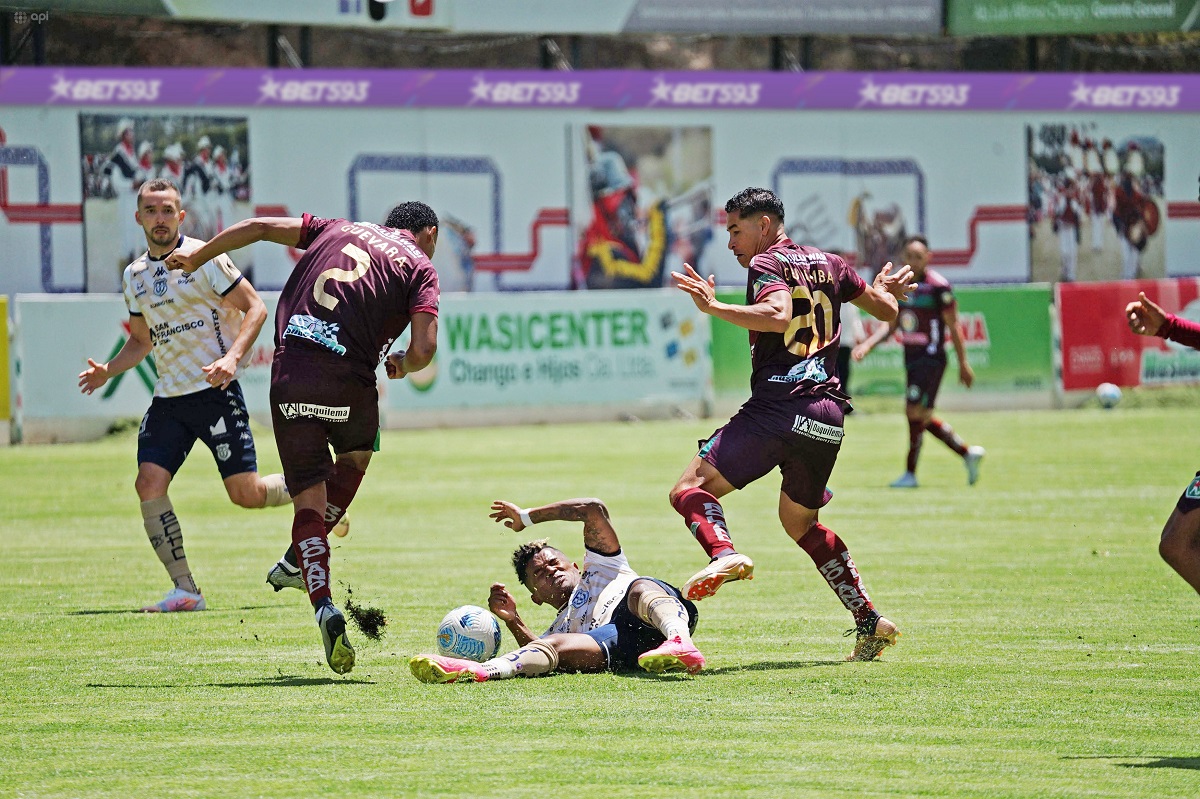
(598, 533)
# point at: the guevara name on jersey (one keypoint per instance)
(602, 585)
(190, 326)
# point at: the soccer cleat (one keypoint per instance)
(342, 528)
(282, 576)
(672, 655)
(175, 601)
(338, 652)
(906, 480)
(434, 668)
(735, 566)
(872, 638)
(972, 458)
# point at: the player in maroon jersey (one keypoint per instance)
(794, 416)
(357, 287)
(924, 321)
(1180, 542)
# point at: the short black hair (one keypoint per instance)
(159, 184)
(918, 238)
(413, 216)
(753, 200)
(524, 553)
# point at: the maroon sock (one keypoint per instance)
(705, 517)
(837, 567)
(312, 552)
(339, 493)
(915, 431)
(945, 433)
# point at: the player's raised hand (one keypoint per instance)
(220, 373)
(508, 514)
(703, 292)
(183, 260)
(394, 365)
(898, 284)
(1145, 317)
(92, 378)
(502, 603)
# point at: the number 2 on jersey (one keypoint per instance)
(817, 336)
(361, 260)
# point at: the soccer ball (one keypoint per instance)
(469, 632)
(1108, 395)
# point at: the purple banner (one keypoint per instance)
(242, 88)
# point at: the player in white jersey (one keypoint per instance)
(609, 617)
(199, 326)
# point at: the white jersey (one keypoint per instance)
(603, 584)
(189, 326)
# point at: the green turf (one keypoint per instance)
(1047, 650)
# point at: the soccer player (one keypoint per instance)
(357, 287)
(924, 321)
(609, 618)
(199, 327)
(794, 416)
(1180, 542)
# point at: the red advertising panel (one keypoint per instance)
(1098, 347)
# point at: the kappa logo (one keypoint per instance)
(913, 95)
(104, 90)
(293, 410)
(704, 93)
(314, 91)
(1124, 95)
(525, 92)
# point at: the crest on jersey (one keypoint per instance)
(223, 452)
(1193, 491)
(160, 287)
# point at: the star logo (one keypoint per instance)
(660, 92)
(269, 90)
(869, 93)
(61, 87)
(1081, 94)
(481, 91)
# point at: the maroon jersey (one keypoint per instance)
(803, 359)
(922, 329)
(354, 291)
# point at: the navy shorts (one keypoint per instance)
(626, 636)
(319, 401)
(216, 416)
(802, 436)
(924, 378)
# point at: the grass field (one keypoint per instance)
(1047, 650)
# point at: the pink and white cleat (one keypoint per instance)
(175, 601)
(672, 655)
(435, 668)
(734, 566)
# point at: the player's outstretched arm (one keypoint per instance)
(135, 348)
(772, 315)
(221, 372)
(882, 298)
(1145, 317)
(279, 229)
(598, 533)
(504, 606)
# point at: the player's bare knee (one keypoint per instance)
(148, 487)
(247, 496)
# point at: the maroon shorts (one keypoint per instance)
(801, 436)
(1189, 500)
(924, 377)
(319, 401)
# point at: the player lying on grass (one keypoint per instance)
(609, 618)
